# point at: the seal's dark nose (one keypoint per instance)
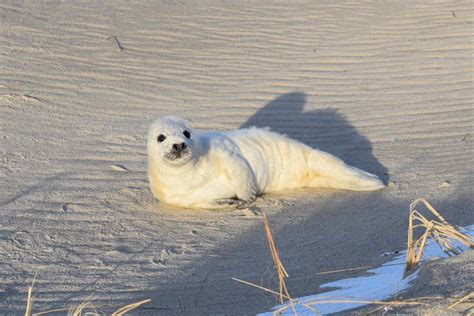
(179, 147)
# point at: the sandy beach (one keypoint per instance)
(387, 87)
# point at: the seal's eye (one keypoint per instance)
(187, 134)
(161, 138)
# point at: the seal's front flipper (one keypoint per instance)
(237, 170)
(239, 204)
(332, 172)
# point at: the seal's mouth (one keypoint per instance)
(178, 154)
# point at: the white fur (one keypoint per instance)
(232, 168)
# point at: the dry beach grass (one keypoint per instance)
(441, 231)
(85, 308)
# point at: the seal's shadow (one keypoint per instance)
(325, 129)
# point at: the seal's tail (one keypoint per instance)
(332, 172)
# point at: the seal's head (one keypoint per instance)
(171, 141)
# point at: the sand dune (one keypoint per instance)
(387, 87)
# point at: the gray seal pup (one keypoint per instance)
(210, 169)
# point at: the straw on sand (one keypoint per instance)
(463, 299)
(282, 274)
(29, 301)
(121, 311)
(440, 230)
(283, 290)
(78, 310)
(281, 271)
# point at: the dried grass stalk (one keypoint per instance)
(343, 270)
(440, 230)
(127, 308)
(29, 301)
(282, 274)
(292, 300)
(281, 271)
(78, 310)
(463, 299)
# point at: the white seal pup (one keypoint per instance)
(210, 169)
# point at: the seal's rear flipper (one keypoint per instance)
(332, 172)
